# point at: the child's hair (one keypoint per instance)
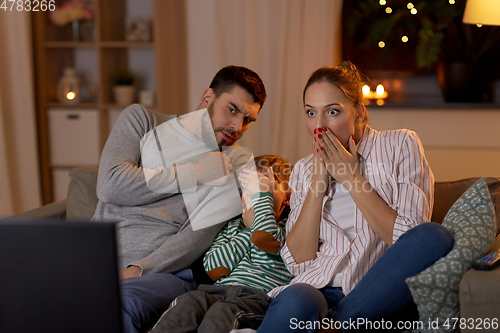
(281, 169)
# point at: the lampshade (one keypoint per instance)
(485, 12)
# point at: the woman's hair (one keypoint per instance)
(230, 76)
(347, 77)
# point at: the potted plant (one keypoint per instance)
(123, 86)
(440, 40)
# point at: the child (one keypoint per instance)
(244, 259)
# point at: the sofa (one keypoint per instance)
(479, 290)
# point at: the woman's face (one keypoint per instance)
(326, 105)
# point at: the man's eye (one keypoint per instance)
(333, 112)
(232, 110)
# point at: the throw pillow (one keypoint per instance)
(471, 222)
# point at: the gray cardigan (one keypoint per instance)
(153, 228)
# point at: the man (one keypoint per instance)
(159, 173)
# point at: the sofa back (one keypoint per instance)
(82, 198)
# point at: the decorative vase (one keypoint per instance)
(75, 30)
(124, 95)
(459, 82)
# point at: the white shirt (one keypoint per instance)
(342, 209)
(394, 164)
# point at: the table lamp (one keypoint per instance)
(486, 12)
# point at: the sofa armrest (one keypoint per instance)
(55, 210)
(480, 297)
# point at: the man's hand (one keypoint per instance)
(254, 182)
(130, 272)
(212, 168)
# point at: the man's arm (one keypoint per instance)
(121, 179)
(179, 251)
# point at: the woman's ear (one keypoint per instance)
(360, 113)
(207, 97)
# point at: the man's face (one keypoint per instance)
(231, 113)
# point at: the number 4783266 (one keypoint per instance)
(28, 5)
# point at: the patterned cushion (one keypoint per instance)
(471, 222)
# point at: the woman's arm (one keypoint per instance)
(413, 183)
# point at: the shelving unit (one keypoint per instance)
(95, 60)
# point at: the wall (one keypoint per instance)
(19, 176)
(458, 143)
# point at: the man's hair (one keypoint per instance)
(229, 77)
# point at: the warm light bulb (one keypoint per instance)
(404, 39)
(381, 44)
(413, 11)
(380, 89)
(388, 10)
(479, 25)
(366, 90)
(71, 95)
(410, 5)
(382, 2)
(452, 2)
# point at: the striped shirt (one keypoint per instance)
(394, 164)
(240, 254)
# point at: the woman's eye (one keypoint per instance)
(310, 113)
(332, 112)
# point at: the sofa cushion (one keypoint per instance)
(82, 198)
(471, 221)
(447, 192)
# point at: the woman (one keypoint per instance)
(356, 202)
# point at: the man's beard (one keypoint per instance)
(220, 143)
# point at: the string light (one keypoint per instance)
(388, 10)
(413, 11)
(381, 44)
(382, 2)
(404, 39)
(452, 2)
(479, 25)
(410, 5)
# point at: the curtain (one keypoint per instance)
(284, 41)
(19, 173)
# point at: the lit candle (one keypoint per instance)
(71, 95)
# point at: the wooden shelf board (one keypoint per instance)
(74, 106)
(125, 44)
(69, 44)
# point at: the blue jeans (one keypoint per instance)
(381, 294)
(145, 298)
